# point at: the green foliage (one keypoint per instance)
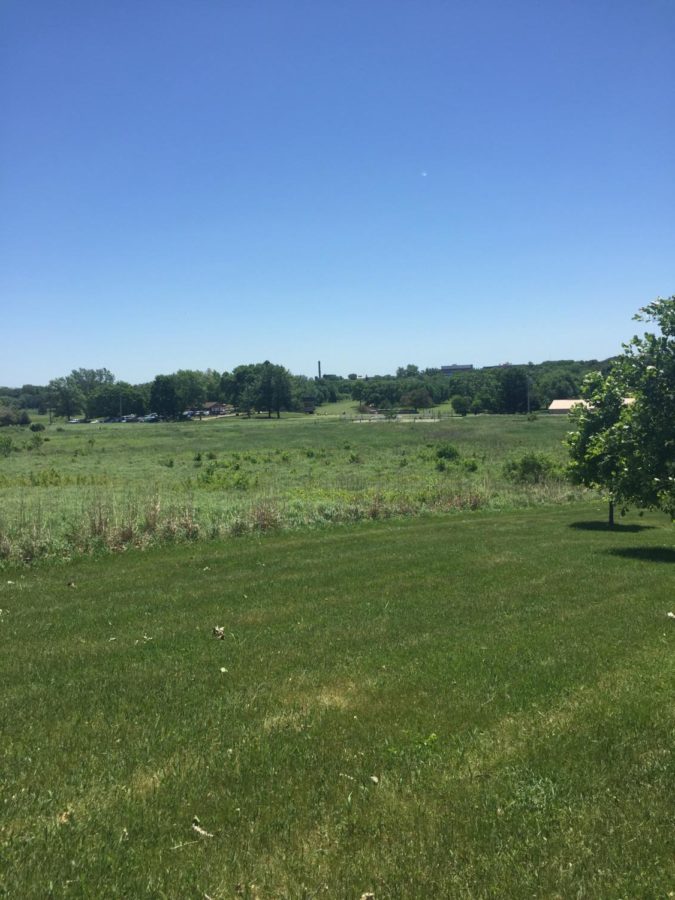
(35, 442)
(628, 448)
(417, 398)
(512, 389)
(164, 396)
(260, 386)
(532, 468)
(447, 452)
(6, 445)
(65, 397)
(460, 404)
(37, 426)
(118, 399)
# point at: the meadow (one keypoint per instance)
(84, 488)
(436, 671)
(471, 705)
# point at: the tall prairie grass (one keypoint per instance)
(134, 486)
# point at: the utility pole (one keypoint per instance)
(319, 370)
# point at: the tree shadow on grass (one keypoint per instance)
(645, 554)
(618, 527)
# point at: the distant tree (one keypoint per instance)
(409, 371)
(417, 398)
(460, 404)
(163, 396)
(89, 380)
(33, 397)
(512, 390)
(65, 397)
(237, 386)
(247, 399)
(212, 384)
(190, 386)
(120, 398)
(272, 388)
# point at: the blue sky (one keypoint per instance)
(212, 182)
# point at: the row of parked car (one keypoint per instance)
(151, 417)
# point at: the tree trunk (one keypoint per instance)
(611, 514)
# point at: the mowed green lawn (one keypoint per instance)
(471, 705)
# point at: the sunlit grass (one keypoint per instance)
(104, 486)
(472, 706)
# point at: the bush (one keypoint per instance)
(37, 426)
(447, 451)
(8, 416)
(532, 468)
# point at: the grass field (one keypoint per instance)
(80, 488)
(473, 705)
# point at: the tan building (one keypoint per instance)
(565, 406)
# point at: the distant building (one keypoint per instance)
(215, 408)
(452, 370)
(565, 406)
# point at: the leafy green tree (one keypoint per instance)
(65, 397)
(513, 390)
(89, 380)
(116, 399)
(272, 388)
(190, 387)
(409, 371)
(238, 384)
(594, 460)
(417, 398)
(460, 404)
(163, 396)
(628, 449)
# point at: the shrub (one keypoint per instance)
(37, 426)
(6, 445)
(448, 452)
(532, 468)
(8, 416)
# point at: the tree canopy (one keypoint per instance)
(624, 442)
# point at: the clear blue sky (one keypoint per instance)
(365, 182)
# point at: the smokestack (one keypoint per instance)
(319, 369)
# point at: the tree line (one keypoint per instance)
(271, 388)
(96, 393)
